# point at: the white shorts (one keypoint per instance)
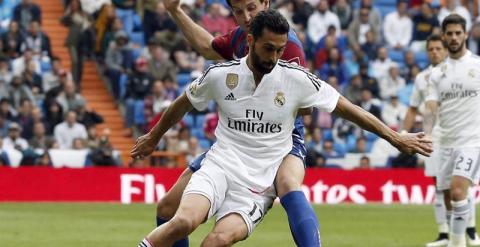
(463, 162)
(432, 163)
(227, 197)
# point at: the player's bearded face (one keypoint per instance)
(455, 37)
(262, 66)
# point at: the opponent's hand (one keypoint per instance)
(412, 143)
(171, 5)
(144, 146)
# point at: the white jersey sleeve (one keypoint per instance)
(317, 93)
(199, 92)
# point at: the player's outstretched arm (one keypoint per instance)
(406, 143)
(146, 144)
(409, 120)
(199, 38)
(430, 116)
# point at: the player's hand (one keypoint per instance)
(412, 143)
(171, 5)
(144, 146)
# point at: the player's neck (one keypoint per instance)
(257, 76)
(458, 54)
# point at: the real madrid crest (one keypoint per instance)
(279, 99)
(231, 81)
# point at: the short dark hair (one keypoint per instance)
(271, 20)
(454, 19)
(436, 37)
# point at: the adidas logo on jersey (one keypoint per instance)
(230, 97)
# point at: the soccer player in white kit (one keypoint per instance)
(453, 93)
(437, 52)
(258, 98)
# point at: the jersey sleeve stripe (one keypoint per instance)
(314, 79)
(218, 65)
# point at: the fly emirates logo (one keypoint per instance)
(254, 124)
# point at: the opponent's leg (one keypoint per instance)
(301, 217)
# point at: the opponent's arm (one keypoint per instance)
(146, 144)
(199, 38)
(407, 143)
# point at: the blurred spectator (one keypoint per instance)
(125, 10)
(328, 151)
(5, 74)
(344, 12)
(4, 123)
(319, 22)
(159, 99)
(321, 54)
(6, 13)
(13, 139)
(159, 64)
(44, 160)
(154, 18)
(334, 67)
(170, 37)
(392, 83)
(343, 129)
(139, 86)
(103, 24)
(19, 91)
(215, 21)
(394, 113)
(194, 149)
(68, 130)
(79, 144)
(404, 161)
(375, 18)
(12, 40)
(171, 88)
(39, 139)
(4, 89)
(360, 146)
(93, 6)
(6, 109)
(371, 46)
(80, 37)
(315, 145)
(37, 41)
(358, 29)
(21, 63)
(382, 64)
(353, 90)
(25, 118)
(409, 58)
(315, 160)
(33, 80)
(370, 105)
(364, 163)
(286, 8)
(53, 116)
(4, 161)
(424, 24)
(69, 99)
(87, 116)
(301, 12)
(187, 59)
(453, 6)
(26, 12)
(474, 39)
(119, 60)
(114, 26)
(368, 82)
(397, 27)
(52, 78)
(92, 138)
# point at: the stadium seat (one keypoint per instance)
(122, 84)
(188, 120)
(421, 58)
(199, 120)
(404, 94)
(327, 134)
(198, 133)
(340, 148)
(183, 79)
(396, 55)
(385, 10)
(137, 38)
(389, 3)
(204, 143)
(351, 143)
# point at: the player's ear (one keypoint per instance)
(250, 40)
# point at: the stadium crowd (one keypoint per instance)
(369, 50)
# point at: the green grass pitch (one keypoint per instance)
(115, 225)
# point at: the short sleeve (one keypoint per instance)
(199, 92)
(316, 93)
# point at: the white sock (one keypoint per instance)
(471, 202)
(440, 212)
(145, 243)
(459, 219)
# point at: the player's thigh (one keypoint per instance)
(465, 171)
(227, 231)
(168, 205)
(290, 175)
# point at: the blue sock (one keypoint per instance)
(179, 243)
(303, 222)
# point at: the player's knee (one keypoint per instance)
(166, 209)
(285, 184)
(218, 239)
(457, 194)
(182, 225)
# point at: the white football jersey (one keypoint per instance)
(255, 126)
(455, 84)
(419, 94)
